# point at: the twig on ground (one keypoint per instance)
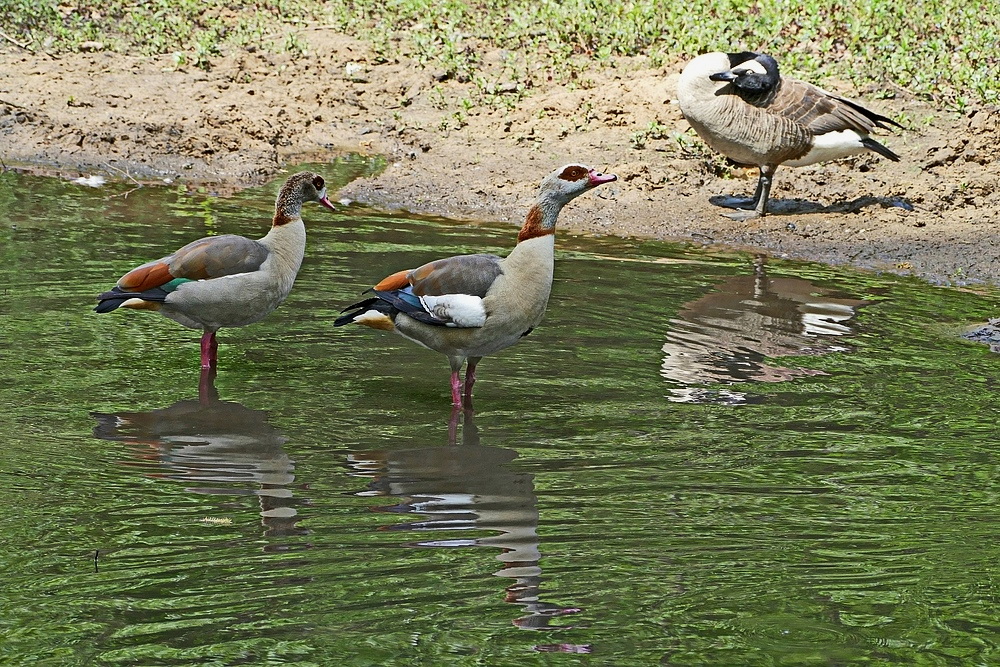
(122, 171)
(24, 46)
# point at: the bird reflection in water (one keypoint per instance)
(469, 486)
(727, 336)
(218, 447)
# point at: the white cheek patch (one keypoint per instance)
(458, 310)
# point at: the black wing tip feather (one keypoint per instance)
(876, 147)
(110, 300)
(883, 122)
(107, 305)
(116, 296)
(355, 310)
(878, 119)
(346, 319)
(389, 303)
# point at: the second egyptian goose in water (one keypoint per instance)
(225, 281)
(469, 306)
(740, 106)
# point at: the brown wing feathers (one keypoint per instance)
(210, 257)
(822, 112)
(462, 274)
(217, 256)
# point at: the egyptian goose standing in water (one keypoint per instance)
(225, 281)
(742, 107)
(469, 306)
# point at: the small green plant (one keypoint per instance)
(294, 45)
(652, 132)
(438, 99)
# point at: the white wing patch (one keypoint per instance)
(831, 146)
(458, 310)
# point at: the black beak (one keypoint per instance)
(723, 76)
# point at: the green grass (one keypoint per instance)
(944, 50)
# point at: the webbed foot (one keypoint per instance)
(727, 201)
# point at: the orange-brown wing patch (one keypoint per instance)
(398, 280)
(146, 277)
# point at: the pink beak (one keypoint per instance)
(326, 202)
(595, 178)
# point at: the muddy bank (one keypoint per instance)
(933, 214)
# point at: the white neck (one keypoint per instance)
(536, 254)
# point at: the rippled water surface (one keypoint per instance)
(696, 459)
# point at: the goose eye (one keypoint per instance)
(318, 182)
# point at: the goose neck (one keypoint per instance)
(541, 220)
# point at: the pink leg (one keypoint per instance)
(456, 390)
(209, 350)
(470, 379)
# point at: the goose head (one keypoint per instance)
(751, 74)
(556, 190)
(569, 181)
(298, 189)
(717, 73)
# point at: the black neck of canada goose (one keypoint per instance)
(737, 59)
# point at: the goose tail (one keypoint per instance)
(876, 147)
(117, 297)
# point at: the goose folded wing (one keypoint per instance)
(824, 112)
(445, 292)
(204, 259)
(462, 274)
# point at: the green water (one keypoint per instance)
(696, 459)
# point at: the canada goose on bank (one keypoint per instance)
(740, 106)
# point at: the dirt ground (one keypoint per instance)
(934, 214)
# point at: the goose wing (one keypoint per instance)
(823, 112)
(204, 259)
(461, 274)
(446, 292)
